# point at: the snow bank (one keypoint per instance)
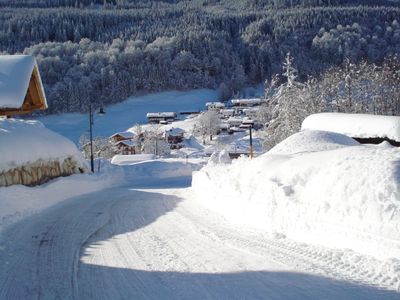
(122, 160)
(355, 125)
(23, 142)
(313, 188)
(312, 141)
(160, 168)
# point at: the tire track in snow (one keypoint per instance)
(341, 264)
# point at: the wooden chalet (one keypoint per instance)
(21, 89)
(127, 147)
(122, 136)
(175, 135)
(215, 105)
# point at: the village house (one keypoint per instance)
(127, 147)
(226, 113)
(174, 137)
(122, 136)
(247, 123)
(235, 121)
(161, 117)
(215, 106)
(20, 85)
(251, 112)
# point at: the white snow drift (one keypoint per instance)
(315, 187)
(23, 142)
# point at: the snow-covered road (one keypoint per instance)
(158, 243)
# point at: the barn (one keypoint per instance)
(161, 117)
(21, 88)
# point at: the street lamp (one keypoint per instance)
(91, 118)
(251, 144)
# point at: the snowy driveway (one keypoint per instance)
(157, 243)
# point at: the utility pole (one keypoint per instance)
(91, 138)
(251, 144)
(91, 119)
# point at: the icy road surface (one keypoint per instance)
(158, 243)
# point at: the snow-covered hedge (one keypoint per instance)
(314, 187)
(32, 154)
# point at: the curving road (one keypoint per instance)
(158, 243)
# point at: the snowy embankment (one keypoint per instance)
(23, 142)
(315, 187)
(31, 154)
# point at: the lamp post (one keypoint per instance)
(91, 118)
(251, 144)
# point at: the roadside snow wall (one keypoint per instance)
(315, 187)
(31, 154)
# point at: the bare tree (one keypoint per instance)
(154, 142)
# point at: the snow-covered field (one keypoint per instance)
(124, 115)
(315, 187)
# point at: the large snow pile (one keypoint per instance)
(311, 141)
(122, 160)
(314, 187)
(152, 169)
(23, 142)
(355, 125)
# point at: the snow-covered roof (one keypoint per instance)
(215, 104)
(355, 125)
(161, 115)
(125, 134)
(235, 120)
(227, 111)
(248, 121)
(175, 132)
(224, 125)
(247, 101)
(128, 143)
(15, 74)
